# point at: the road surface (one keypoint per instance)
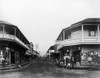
(45, 69)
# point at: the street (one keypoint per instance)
(45, 69)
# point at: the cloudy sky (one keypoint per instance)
(41, 21)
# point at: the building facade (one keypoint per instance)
(81, 39)
(14, 49)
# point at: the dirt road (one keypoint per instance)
(45, 69)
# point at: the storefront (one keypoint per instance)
(9, 56)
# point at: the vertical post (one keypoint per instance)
(63, 34)
(3, 30)
(98, 30)
(9, 57)
(82, 28)
(60, 56)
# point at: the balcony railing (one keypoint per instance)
(70, 41)
(77, 41)
(14, 38)
(91, 39)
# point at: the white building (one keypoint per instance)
(82, 39)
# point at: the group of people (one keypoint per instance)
(65, 61)
(93, 58)
(69, 61)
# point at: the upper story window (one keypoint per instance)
(92, 33)
(9, 30)
(90, 30)
(67, 34)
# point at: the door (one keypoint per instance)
(12, 57)
(76, 56)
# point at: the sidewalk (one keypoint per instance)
(15, 67)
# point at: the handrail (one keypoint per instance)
(13, 37)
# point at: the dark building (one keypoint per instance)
(14, 49)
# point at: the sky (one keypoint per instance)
(41, 21)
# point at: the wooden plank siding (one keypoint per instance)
(79, 36)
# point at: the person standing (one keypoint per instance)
(65, 56)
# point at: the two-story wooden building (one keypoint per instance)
(81, 39)
(14, 46)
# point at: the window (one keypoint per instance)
(67, 34)
(91, 29)
(92, 33)
(9, 30)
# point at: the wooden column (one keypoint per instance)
(98, 30)
(82, 28)
(9, 57)
(60, 56)
(63, 35)
(3, 30)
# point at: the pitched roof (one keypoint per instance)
(85, 21)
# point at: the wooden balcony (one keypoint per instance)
(12, 38)
(91, 39)
(78, 41)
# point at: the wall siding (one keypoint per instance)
(76, 34)
(86, 34)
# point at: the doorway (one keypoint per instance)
(76, 56)
(12, 57)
